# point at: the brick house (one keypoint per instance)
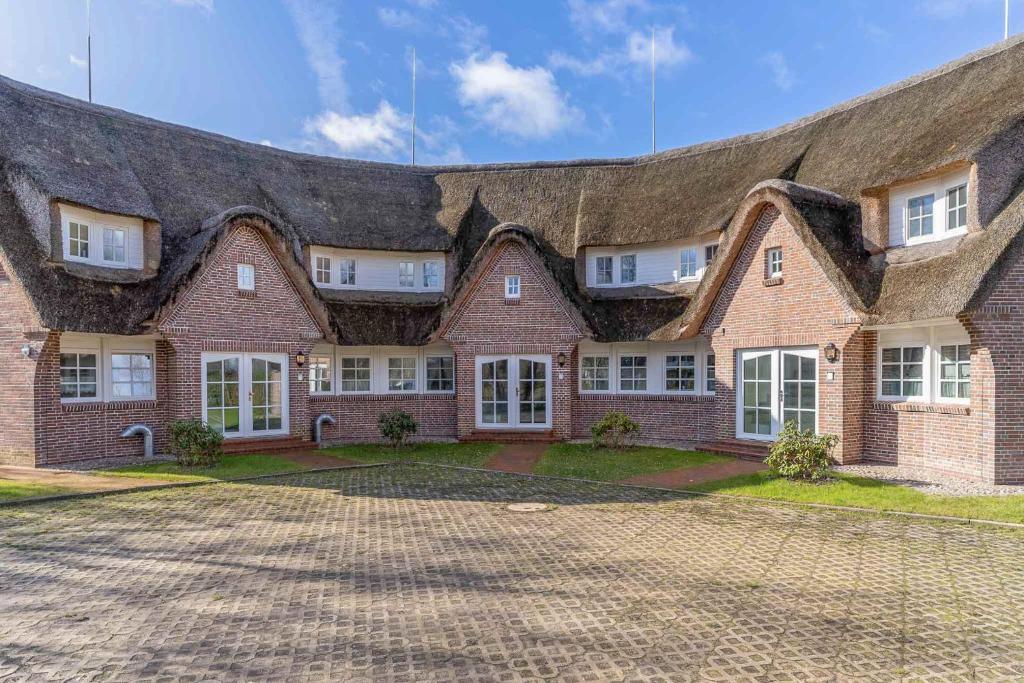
(858, 272)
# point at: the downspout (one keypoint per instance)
(147, 437)
(318, 427)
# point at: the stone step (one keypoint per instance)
(740, 448)
(511, 436)
(265, 445)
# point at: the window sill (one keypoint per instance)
(512, 300)
(96, 406)
(915, 407)
(393, 396)
(247, 293)
(773, 281)
(682, 398)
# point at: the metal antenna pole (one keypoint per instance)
(654, 119)
(88, 11)
(1006, 20)
(414, 106)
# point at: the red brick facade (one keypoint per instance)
(981, 440)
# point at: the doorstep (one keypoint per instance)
(511, 436)
(745, 449)
(265, 445)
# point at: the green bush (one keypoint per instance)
(195, 444)
(615, 430)
(395, 425)
(801, 455)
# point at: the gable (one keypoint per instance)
(751, 303)
(213, 306)
(484, 313)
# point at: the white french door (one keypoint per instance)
(513, 392)
(246, 394)
(776, 386)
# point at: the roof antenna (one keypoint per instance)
(654, 120)
(1006, 20)
(414, 106)
(88, 12)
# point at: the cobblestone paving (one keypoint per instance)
(421, 574)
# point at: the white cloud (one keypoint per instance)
(397, 18)
(525, 102)
(319, 34)
(77, 61)
(667, 51)
(603, 16)
(782, 75)
(381, 134)
(948, 9)
(205, 5)
(635, 51)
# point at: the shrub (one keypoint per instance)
(801, 455)
(615, 430)
(395, 425)
(195, 444)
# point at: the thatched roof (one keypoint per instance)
(56, 148)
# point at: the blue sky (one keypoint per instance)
(497, 81)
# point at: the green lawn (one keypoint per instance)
(583, 461)
(12, 490)
(871, 494)
(464, 454)
(230, 467)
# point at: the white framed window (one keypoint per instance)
(355, 374)
(406, 274)
(79, 376)
(627, 268)
(688, 263)
(955, 372)
(774, 260)
(402, 374)
(78, 240)
(320, 374)
(956, 208)
(680, 372)
(511, 286)
(920, 216)
(709, 373)
(440, 373)
(323, 270)
(595, 373)
(903, 372)
(431, 274)
(131, 375)
(246, 277)
(604, 270)
(710, 252)
(115, 241)
(633, 373)
(347, 274)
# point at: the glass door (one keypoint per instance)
(776, 386)
(513, 392)
(494, 392)
(266, 395)
(245, 394)
(532, 392)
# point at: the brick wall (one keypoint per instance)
(17, 418)
(83, 431)
(357, 416)
(535, 324)
(802, 308)
(214, 316)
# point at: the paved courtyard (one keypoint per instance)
(421, 573)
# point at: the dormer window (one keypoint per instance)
(323, 270)
(348, 271)
(78, 240)
(956, 208)
(114, 241)
(627, 269)
(688, 264)
(930, 209)
(920, 216)
(431, 275)
(99, 239)
(604, 270)
(406, 274)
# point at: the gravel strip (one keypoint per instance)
(929, 482)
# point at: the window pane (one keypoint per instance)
(891, 355)
(912, 388)
(913, 354)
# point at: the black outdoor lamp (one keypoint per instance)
(831, 352)
(561, 359)
(300, 359)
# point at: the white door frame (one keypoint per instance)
(513, 391)
(775, 392)
(245, 429)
